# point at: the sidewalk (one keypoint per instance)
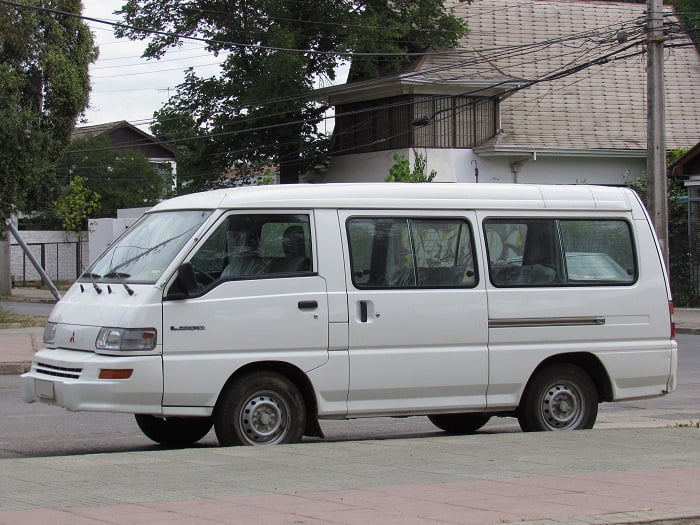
(583, 477)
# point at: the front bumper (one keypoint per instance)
(70, 379)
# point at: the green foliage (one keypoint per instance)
(673, 155)
(680, 260)
(76, 205)
(689, 13)
(44, 86)
(122, 178)
(401, 170)
(267, 179)
(258, 111)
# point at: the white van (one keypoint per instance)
(261, 310)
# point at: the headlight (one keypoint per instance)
(50, 334)
(126, 339)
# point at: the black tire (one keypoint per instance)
(176, 432)
(560, 397)
(261, 408)
(459, 423)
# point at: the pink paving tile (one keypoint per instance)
(597, 504)
(44, 516)
(132, 514)
(366, 516)
(467, 516)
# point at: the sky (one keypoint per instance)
(128, 87)
(125, 86)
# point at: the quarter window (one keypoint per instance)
(567, 252)
(411, 253)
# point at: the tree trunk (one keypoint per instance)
(5, 273)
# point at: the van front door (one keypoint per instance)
(259, 299)
(418, 315)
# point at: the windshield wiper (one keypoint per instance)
(117, 275)
(92, 276)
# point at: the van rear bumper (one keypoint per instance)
(70, 379)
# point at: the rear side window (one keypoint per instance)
(411, 253)
(566, 252)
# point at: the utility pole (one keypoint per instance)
(657, 201)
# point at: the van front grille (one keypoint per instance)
(58, 371)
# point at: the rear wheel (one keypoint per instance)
(560, 397)
(174, 431)
(262, 408)
(459, 423)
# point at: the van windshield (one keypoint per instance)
(148, 247)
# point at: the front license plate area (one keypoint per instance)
(44, 389)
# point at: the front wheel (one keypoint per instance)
(174, 431)
(560, 397)
(262, 408)
(459, 423)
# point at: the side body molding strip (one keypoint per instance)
(525, 322)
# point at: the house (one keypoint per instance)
(124, 135)
(538, 91)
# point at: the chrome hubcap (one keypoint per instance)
(561, 407)
(263, 419)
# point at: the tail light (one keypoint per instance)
(673, 324)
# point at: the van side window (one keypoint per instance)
(411, 253)
(252, 245)
(598, 252)
(523, 252)
(552, 252)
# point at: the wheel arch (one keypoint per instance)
(587, 362)
(296, 376)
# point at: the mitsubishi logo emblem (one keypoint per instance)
(72, 338)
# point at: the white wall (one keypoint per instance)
(454, 165)
(62, 260)
(102, 232)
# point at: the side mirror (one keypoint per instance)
(184, 284)
(185, 274)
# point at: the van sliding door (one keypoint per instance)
(418, 313)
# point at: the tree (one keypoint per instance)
(689, 13)
(122, 178)
(680, 260)
(259, 110)
(44, 85)
(76, 205)
(401, 170)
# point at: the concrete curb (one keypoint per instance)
(14, 368)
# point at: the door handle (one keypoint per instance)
(363, 311)
(307, 305)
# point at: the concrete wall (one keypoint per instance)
(454, 165)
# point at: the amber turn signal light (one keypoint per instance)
(115, 373)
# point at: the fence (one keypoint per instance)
(63, 256)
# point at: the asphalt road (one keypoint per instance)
(23, 308)
(41, 430)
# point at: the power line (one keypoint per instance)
(210, 41)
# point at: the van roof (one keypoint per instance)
(411, 196)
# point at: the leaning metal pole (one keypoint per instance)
(44, 276)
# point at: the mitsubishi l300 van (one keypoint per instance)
(261, 310)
